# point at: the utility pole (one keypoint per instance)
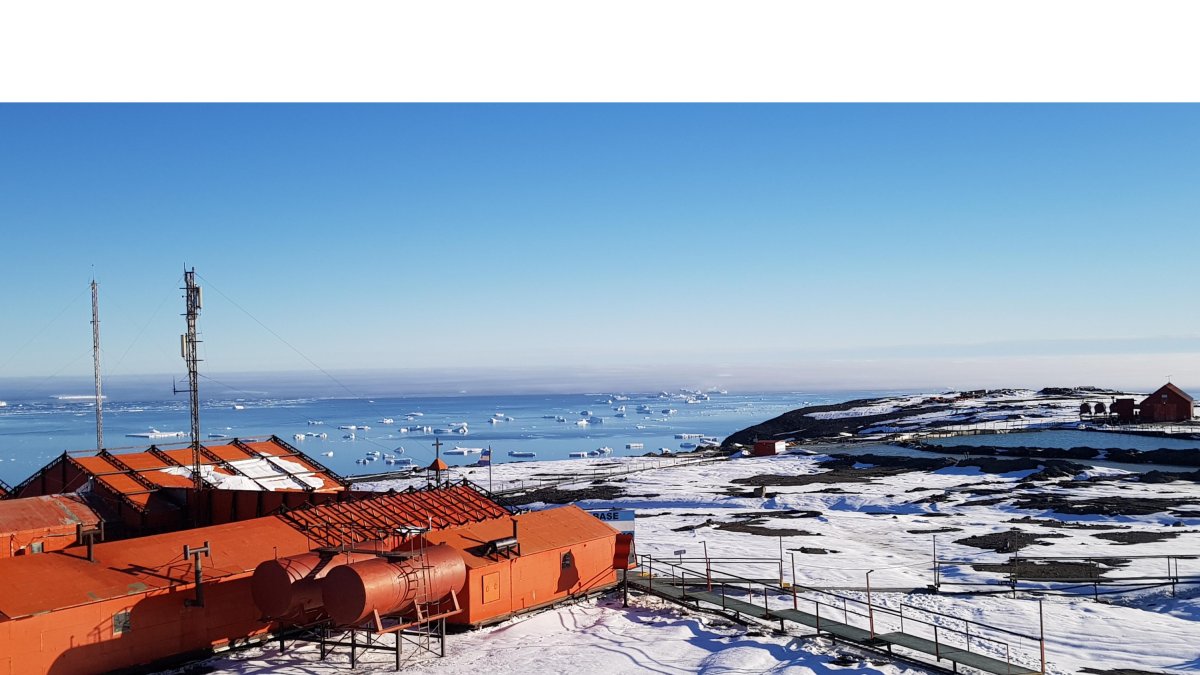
(96, 362)
(189, 348)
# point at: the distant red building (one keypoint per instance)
(1168, 404)
(768, 448)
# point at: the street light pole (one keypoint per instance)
(870, 607)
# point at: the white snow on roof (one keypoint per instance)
(265, 473)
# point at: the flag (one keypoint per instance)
(485, 459)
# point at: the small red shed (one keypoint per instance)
(768, 448)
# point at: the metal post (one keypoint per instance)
(781, 562)
(625, 588)
(198, 570)
(1042, 635)
(936, 568)
(707, 567)
(870, 607)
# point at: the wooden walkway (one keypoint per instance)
(690, 595)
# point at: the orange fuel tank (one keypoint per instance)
(291, 586)
(391, 586)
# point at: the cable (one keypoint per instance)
(44, 328)
(140, 333)
(280, 338)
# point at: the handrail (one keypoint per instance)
(885, 608)
(938, 641)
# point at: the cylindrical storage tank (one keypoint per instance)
(292, 585)
(353, 592)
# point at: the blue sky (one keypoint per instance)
(604, 236)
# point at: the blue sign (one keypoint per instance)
(621, 520)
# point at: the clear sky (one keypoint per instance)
(910, 241)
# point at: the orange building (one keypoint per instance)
(152, 490)
(43, 524)
(135, 602)
(559, 552)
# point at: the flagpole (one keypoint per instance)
(489, 468)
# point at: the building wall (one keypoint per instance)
(81, 640)
(533, 580)
(1166, 406)
(768, 448)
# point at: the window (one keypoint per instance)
(121, 623)
(568, 561)
(37, 547)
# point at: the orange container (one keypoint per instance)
(354, 592)
(291, 586)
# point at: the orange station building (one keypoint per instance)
(137, 603)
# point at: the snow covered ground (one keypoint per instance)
(650, 636)
(835, 532)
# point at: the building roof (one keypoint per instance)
(256, 464)
(50, 581)
(1168, 387)
(39, 514)
(537, 531)
(365, 519)
(437, 465)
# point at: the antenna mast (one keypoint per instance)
(189, 343)
(96, 361)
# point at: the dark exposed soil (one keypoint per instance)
(796, 424)
(993, 450)
(752, 527)
(936, 530)
(841, 469)
(1007, 542)
(1139, 537)
(689, 528)
(807, 550)
(1160, 456)
(553, 495)
(1104, 506)
(1045, 571)
(789, 513)
(985, 502)
(1050, 522)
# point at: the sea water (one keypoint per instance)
(34, 431)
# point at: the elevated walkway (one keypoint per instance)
(944, 645)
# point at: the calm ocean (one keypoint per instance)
(33, 431)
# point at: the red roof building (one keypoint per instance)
(135, 603)
(1168, 404)
(152, 490)
(768, 448)
(43, 524)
